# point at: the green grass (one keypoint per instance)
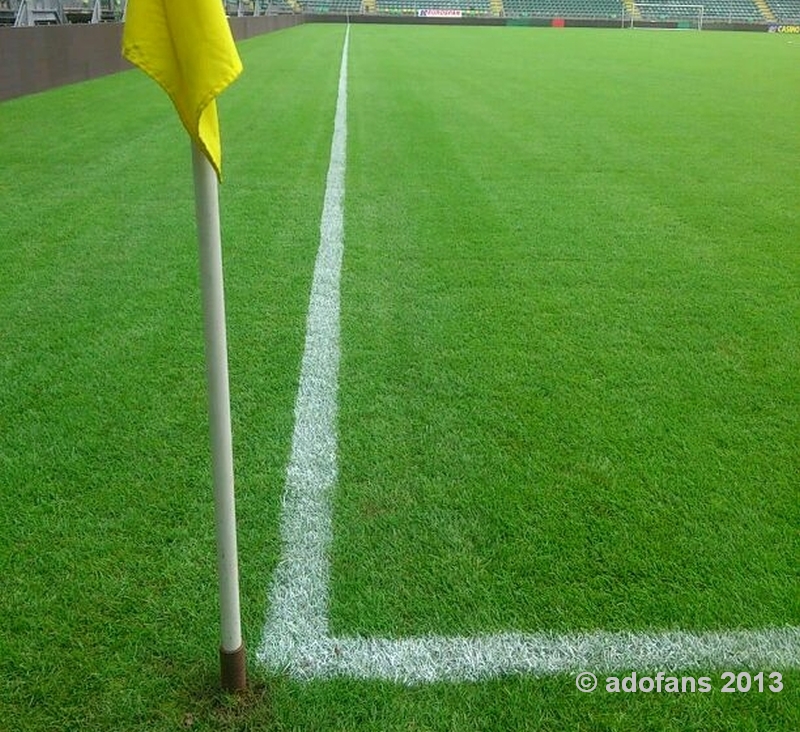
(568, 390)
(569, 386)
(108, 606)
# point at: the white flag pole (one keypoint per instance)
(232, 656)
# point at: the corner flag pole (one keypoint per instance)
(188, 48)
(232, 656)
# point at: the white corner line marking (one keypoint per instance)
(298, 613)
(296, 637)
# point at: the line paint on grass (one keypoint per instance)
(299, 598)
(437, 658)
(296, 635)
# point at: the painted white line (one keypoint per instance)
(438, 658)
(297, 636)
(299, 598)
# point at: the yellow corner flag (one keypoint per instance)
(187, 47)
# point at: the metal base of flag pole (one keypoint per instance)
(234, 669)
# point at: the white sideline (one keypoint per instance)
(299, 598)
(296, 637)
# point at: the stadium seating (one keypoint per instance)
(8, 12)
(340, 7)
(718, 10)
(411, 7)
(563, 8)
(786, 11)
(57, 12)
(273, 7)
(39, 12)
(724, 10)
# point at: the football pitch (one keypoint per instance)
(513, 343)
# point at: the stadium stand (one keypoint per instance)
(8, 12)
(339, 7)
(786, 11)
(39, 12)
(412, 7)
(719, 10)
(563, 8)
(244, 8)
(58, 12)
(716, 10)
(724, 10)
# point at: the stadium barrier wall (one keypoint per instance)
(248, 27)
(42, 57)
